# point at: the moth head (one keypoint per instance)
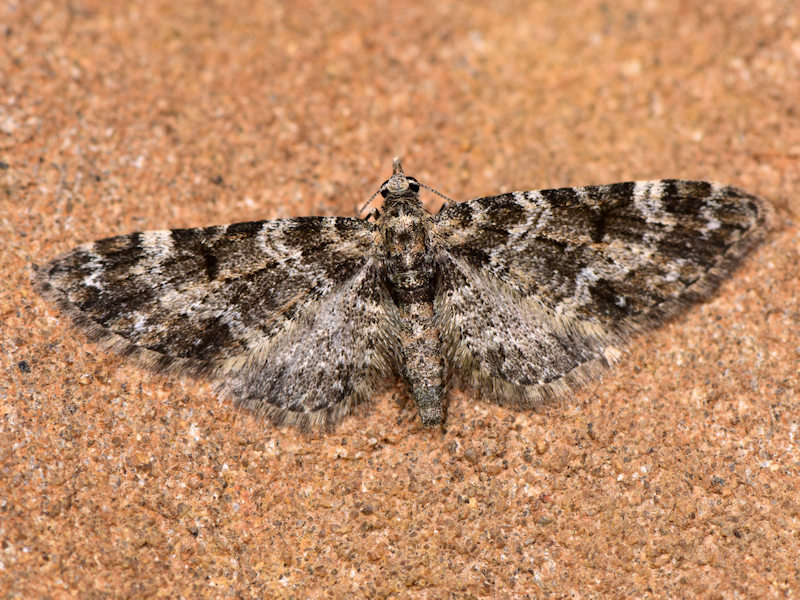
(398, 184)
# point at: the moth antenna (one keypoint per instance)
(430, 189)
(367, 203)
(397, 169)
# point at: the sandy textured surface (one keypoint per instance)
(675, 476)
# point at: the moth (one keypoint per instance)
(523, 295)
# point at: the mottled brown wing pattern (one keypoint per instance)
(330, 360)
(537, 284)
(208, 301)
(514, 348)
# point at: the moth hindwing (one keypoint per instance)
(522, 295)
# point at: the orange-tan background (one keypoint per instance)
(674, 476)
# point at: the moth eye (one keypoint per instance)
(413, 185)
(384, 192)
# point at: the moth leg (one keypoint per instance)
(373, 214)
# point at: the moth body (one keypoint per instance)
(411, 278)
